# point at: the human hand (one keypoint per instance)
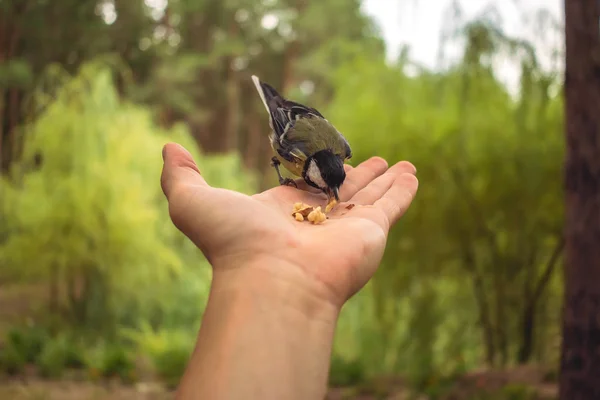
(257, 234)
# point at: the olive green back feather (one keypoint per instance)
(311, 134)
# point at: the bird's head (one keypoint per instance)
(325, 170)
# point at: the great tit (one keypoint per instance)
(305, 143)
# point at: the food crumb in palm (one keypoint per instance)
(317, 216)
(350, 206)
(304, 211)
(330, 205)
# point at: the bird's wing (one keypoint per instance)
(310, 134)
(347, 149)
(295, 153)
(283, 113)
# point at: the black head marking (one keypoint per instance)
(331, 167)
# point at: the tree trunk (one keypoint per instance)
(291, 55)
(528, 322)
(500, 314)
(231, 122)
(580, 353)
(483, 308)
(53, 290)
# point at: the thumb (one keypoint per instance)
(186, 191)
(179, 170)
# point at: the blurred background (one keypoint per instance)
(101, 297)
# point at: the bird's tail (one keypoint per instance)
(268, 95)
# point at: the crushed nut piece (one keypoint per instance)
(302, 209)
(350, 206)
(316, 216)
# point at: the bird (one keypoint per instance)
(305, 143)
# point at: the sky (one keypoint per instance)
(418, 24)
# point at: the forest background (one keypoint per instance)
(96, 285)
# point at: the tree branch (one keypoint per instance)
(550, 266)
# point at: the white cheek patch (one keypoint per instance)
(314, 174)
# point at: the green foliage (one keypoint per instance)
(435, 388)
(93, 214)
(51, 354)
(60, 353)
(507, 392)
(118, 362)
(172, 362)
(518, 392)
(466, 260)
(168, 349)
(15, 73)
(346, 372)
(12, 361)
(110, 360)
(52, 361)
(27, 341)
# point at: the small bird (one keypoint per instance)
(305, 143)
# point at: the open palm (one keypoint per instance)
(342, 253)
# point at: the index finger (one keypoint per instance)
(359, 177)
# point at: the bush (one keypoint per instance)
(27, 341)
(110, 361)
(168, 349)
(59, 354)
(52, 361)
(118, 362)
(518, 392)
(170, 364)
(93, 213)
(345, 372)
(508, 392)
(12, 362)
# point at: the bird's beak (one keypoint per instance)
(333, 197)
(336, 194)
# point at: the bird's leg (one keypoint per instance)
(275, 163)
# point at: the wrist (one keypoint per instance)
(278, 282)
(265, 333)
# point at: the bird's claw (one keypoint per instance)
(288, 182)
(275, 163)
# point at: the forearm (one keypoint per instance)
(261, 338)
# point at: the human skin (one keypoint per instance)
(278, 285)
